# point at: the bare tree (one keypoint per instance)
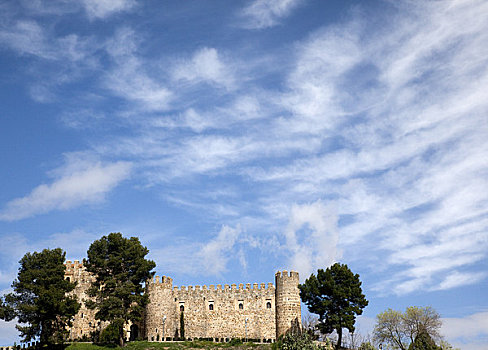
(399, 329)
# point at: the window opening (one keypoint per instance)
(182, 307)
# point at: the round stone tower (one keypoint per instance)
(287, 298)
(160, 312)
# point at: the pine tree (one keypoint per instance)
(40, 298)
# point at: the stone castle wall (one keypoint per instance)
(288, 309)
(84, 322)
(217, 312)
(220, 312)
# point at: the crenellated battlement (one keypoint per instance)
(255, 310)
(225, 288)
(287, 299)
(286, 275)
(165, 281)
(73, 265)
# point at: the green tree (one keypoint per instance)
(120, 269)
(426, 319)
(390, 329)
(336, 296)
(423, 341)
(40, 299)
(401, 329)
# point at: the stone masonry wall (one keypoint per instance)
(84, 322)
(288, 309)
(212, 312)
(220, 312)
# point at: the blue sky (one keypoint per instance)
(237, 138)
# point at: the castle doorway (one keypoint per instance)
(134, 332)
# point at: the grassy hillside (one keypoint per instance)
(143, 345)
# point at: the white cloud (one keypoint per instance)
(209, 257)
(206, 65)
(27, 37)
(100, 9)
(456, 279)
(265, 13)
(216, 253)
(410, 157)
(387, 122)
(8, 332)
(311, 237)
(77, 183)
(128, 77)
(469, 332)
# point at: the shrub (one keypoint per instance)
(366, 346)
(235, 342)
(110, 335)
(295, 341)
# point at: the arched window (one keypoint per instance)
(241, 306)
(210, 307)
(68, 279)
(182, 307)
(268, 305)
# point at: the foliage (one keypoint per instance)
(390, 329)
(110, 335)
(336, 296)
(40, 298)
(400, 329)
(295, 340)
(417, 319)
(298, 341)
(366, 346)
(144, 345)
(444, 345)
(235, 341)
(423, 341)
(182, 325)
(120, 268)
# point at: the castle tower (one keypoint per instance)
(161, 320)
(287, 298)
(84, 322)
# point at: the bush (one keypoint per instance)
(235, 342)
(295, 341)
(366, 346)
(110, 335)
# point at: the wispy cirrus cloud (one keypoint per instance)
(100, 9)
(77, 183)
(261, 14)
(384, 130)
(206, 65)
(128, 78)
(28, 37)
(209, 257)
(384, 123)
(311, 237)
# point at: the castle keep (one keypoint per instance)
(258, 311)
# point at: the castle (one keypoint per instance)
(220, 313)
